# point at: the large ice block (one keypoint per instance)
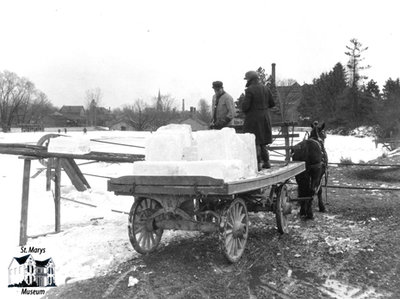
(69, 145)
(216, 153)
(185, 132)
(214, 144)
(226, 144)
(228, 170)
(245, 149)
(168, 143)
(169, 168)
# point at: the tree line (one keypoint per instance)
(21, 103)
(344, 99)
(341, 97)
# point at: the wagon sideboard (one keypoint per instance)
(194, 185)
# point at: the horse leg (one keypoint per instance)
(302, 192)
(303, 208)
(309, 211)
(320, 201)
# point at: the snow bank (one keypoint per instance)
(352, 148)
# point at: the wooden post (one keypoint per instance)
(285, 132)
(50, 163)
(57, 194)
(23, 237)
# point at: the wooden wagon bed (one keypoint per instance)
(192, 185)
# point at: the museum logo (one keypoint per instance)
(25, 272)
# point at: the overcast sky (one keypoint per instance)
(131, 49)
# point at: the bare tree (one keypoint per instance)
(36, 109)
(93, 99)
(164, 103)
(138, 115)
(95, 95)
(15, 93)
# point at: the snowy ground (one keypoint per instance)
(94, 239)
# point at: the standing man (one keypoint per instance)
(222, 108)
(257, 101)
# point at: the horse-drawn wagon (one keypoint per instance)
(201, 203)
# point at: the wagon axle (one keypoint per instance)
(206, 227)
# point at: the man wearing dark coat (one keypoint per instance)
(256, 104)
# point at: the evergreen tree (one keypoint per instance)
(323, 100)
(391, 90)
(358, 104)
(389, 112)
(309, 108)
(354, 52)
(369, 102)
(372, 89)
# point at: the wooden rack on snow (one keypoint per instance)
(54, 163)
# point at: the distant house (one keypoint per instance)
(121, 125)
(103, 115)
(29, 272)
(67, 116)
(287, 100)
(75, 115)
(290, 98)
(55, 119)
(98, 116)
(195, 123)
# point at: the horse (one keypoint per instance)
(312, 152)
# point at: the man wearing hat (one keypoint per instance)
(256, 104)
(222, 109)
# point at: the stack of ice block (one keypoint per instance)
(69, 145)
(176, 150)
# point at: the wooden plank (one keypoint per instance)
(167, 180)
(179, 190)
(286, 123)
(78, 172)
(131, 189)
(280, 147)
(126, 185)
(285, 135)
(385, 140)
(24, 203)
(270, 177)
(41, 152)
(70, 171)
(57, 194)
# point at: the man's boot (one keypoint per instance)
(265, 157)
(259, 160)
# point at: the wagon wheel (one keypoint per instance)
(235, 231)
(143, 235)
(44, 141)
(282, 209)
